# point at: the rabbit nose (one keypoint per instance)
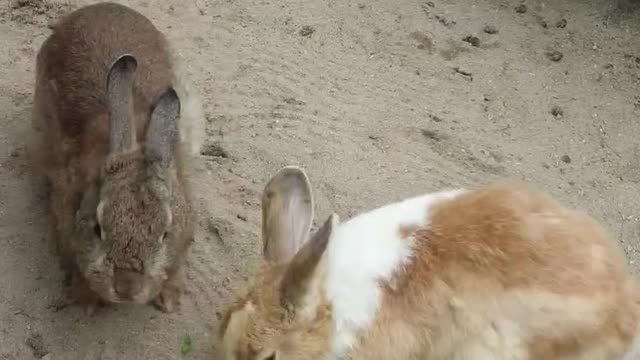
(127, 284)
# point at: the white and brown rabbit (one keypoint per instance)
(115, 142)
(499, 272)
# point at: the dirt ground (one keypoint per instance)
(377, 99)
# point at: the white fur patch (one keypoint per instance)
(364, 251)
(634, 350)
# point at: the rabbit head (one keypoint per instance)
(126, 220)
(285, 314)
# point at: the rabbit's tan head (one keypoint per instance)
(285, 314)
(126, 220)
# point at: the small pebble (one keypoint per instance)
(435, 118)
(557, 111)
(19, 3)
(463, 71)
(490, 29)
(430, 134)
(214, 150)
(307, 30)
(562, 23)
(554, 55)
(473, 40)
(521, 9)
(565, 159)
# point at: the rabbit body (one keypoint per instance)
(115, 140)
(499, 272)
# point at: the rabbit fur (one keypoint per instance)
(119, 120)
(498, 272)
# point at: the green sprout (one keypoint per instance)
(185, 347)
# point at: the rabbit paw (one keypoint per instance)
(90, 308)
(81, 294)
(168, 300)
(87, 300)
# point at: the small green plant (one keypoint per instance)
(185, 347)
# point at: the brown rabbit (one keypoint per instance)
(115, 142)
(495, 273)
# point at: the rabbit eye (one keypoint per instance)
(97, 231)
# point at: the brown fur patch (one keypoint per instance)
(407, 230)
(517, 238)
(271, 326)
(503, 240)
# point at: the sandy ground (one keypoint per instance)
(377, 99)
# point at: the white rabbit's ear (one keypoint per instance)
(287, 214)
(300, 286)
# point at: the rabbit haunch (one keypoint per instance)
(499, 272)
(504, 273)
(115, 142)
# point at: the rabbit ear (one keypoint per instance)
(163, 128)
(88, 203)
(298, 288)
(287, 212)
(122, 130)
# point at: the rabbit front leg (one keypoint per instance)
(168, 300)
(81, 294)
(64, 203)
(62, 209)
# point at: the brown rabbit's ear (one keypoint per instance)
(287, 212)
(122, 130)
(88, 203)
(300, 285)
(163, 128)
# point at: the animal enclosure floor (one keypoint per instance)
(376, 99)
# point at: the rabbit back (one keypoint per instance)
(75, 60)
(502, 273)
